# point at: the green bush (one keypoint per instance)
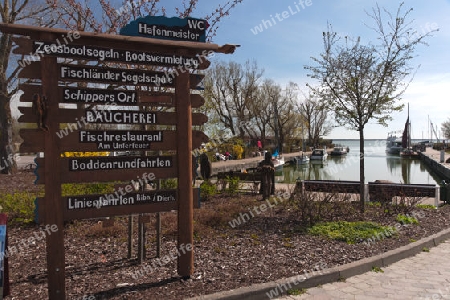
(169, 184)
(233, 185)
(426, 206)
(349, 232)
(71, 189)
(207, 190)
(404, 219)
(19, 206)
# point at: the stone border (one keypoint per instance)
(258, 291)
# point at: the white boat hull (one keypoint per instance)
(319, 154)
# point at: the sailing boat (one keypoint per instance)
(408, 151)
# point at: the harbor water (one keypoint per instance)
(378, 166)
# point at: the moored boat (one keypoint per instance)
(408, 151)
(301, 159)
(319, 154)
(393, 144)
(278, 162)
(339, 151)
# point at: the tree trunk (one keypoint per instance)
(7, 162)
(361, 170)
(280, 141)
(263, 138)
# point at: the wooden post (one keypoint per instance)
(184, 155)
(53, 215)
(158, 234)
(141, 240)
(158, 223)
(130, 236)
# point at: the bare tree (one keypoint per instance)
(315, 118)
(260, 109)
(75, 15)
(364, 82)
(80, 15)
(230, 88)
(12, 12)
(287, 117)
(275, 109)
(445, 127)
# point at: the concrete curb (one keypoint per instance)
(260, 291)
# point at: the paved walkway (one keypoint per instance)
(423, 276)
(237, 165)
(436, 155)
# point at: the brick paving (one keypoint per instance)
(423, 276)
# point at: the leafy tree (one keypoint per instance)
(364, 82)
(445, 127)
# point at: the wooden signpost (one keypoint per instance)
(113, 95)
(110, 97)
(76, 140)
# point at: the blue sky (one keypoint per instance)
(285, 47)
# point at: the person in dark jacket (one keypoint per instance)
(205, 166)
(268, 176)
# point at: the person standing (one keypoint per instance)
(267, 170)
(205, 166)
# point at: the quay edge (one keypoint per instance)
(432, 159)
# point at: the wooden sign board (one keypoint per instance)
(132, 77)
(115, 55)
(160, 27)
(109, 96)
(120, 117)
(116, 204)
(75, 140)
(27, 46)
(80, 117)
(80, 164)
(120, 139)
(109, 169)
